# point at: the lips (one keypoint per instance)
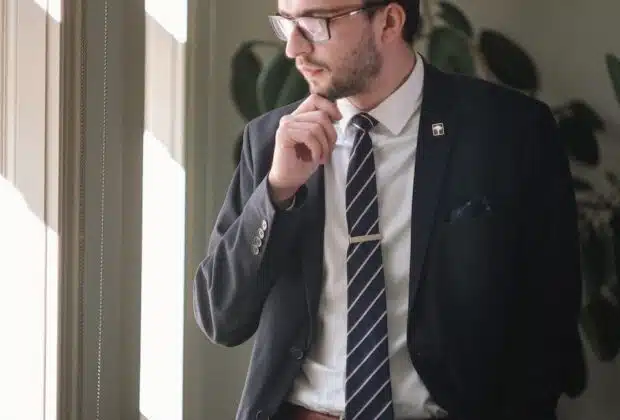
(311, 71)
(306, 67)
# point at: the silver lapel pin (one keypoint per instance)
(438, 130)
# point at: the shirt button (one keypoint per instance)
(255, 250)
(261, 233)
(264, 225)
(257, 242)
(297, 353)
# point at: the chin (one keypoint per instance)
(319, 89)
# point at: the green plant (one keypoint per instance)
(600, 230)
(454, 46)
(259, 85)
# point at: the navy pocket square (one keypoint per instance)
(471, 208)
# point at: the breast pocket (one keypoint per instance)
(473, 252)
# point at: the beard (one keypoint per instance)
(352, 74)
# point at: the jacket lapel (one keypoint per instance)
(436, 134)
(312, 253)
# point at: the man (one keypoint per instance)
(402, 244)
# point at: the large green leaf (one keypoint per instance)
(600, 320)
(594, 253)
(613, 179)
(454, 17)
(449, 50)
(585, 113)
(579, 138)
(580, 184)
(615, 290)
(508, 62)
(614, 224)
(293, 89)
(245, 68)
(613, 65)
(271, 79)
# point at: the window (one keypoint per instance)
(29, 104)
(87, 161)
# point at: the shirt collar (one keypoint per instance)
(390, 113)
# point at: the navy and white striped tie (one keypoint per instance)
(368, 389)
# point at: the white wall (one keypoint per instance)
(567, 40)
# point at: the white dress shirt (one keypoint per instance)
(320, 386)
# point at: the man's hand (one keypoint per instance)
(305, 139)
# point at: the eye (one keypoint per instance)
(313, 26)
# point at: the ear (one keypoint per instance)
(393, 20)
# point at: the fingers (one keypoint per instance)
(315, 102)
(300, 136)
(321, 119)
(312, 125)
(310, 134)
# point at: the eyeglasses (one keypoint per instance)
(314, 29)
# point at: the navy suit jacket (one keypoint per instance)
(495, 286)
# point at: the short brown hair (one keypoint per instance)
(412, 13)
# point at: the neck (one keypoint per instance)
(392, 75)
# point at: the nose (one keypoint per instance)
(297, 44)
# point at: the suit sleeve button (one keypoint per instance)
(297, 353)
(261, 416)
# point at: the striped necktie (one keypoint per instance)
(368, 389)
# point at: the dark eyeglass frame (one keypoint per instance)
(325, 21)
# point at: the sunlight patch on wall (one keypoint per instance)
(163, 254)
(28, 303)
(52, 7)
(171, 15)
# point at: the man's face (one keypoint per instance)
(343, 65)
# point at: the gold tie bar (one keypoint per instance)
(364, 238)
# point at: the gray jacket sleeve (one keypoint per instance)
(249, 241)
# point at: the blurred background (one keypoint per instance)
(119, 126)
